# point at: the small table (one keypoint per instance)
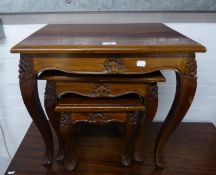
(109, 49)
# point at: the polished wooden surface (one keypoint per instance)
(89, 38)
(79, 49)
(97, 111)
(110, 64)
(29, 92)
(102, 87)
(190, 151)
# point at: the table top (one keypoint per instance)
(107, 38)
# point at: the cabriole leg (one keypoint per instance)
(130, 138)
(29, 92)
(151, 101)
(50, 101)
(185, 91)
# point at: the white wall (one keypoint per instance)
(15, 119)
(13, 116)
(203, 108)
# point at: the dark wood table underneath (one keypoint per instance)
(191, 151)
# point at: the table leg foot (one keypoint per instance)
(160, 162)
(47, 163)
(60, 156)
(125, 160)
(138, 157)
(71, 165)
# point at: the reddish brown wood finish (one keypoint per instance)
(104, 86)
(190, 151)
(50, 100)
(78, 49)
(75, 103)
(88, 38)
(67, 133)
(29, 91)
(185, 91)
(151, 101)
(98, 112)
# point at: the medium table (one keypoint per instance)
(109, 49)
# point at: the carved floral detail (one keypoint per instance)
(101, 90)
(190, 69)
(132, 118)
(65, 120)
(99, 116)
(25, 69)
(114, 65)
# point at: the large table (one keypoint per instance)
(109, 49)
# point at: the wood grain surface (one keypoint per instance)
(91, 38)
(190, 151)
(76, 103)
(81, 49)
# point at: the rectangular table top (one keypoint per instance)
(103, 38)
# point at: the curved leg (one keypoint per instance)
(50, 101)
(66, 129)
(29, 91)
(185, 91)
(130, 138)
(151, 101)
